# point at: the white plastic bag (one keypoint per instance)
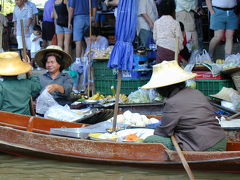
(203, 58)
(235, 99)
(44, 102)
(62, 113)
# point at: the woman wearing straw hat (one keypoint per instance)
(15, 93)
(58, 83)
(187, 114)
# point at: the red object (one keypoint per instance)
(206, 75)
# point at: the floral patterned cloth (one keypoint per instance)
(165, 31)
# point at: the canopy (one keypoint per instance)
(122, 54)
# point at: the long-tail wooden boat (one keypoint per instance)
(30, 136)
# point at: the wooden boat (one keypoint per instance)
(29, 136)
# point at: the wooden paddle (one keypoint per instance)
(26, 58)
(174, 141)
(182, 158)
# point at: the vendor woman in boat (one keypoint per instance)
(58, 83)
(187, 114)
(15, 92)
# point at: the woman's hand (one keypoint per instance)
(55, 87)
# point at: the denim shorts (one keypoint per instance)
(62, 30)
(80, 25)
(223, 19)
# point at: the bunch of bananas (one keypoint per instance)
(97, 96)
(122, 97)
(220, 61)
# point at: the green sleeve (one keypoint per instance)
(1, 96)
(35, 86)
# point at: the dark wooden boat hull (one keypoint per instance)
(35, 142)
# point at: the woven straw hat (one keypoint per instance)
(167, 73)
(225, 94)
(53, 49)
(12, 65)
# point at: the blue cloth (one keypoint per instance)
(81, 7)
(80, 25)
(48, 10)
(222, 20)
(33, 6)
(62, 30)
(122, 54)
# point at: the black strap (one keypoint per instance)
(224, 9)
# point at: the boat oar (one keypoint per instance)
(233, 116)
(26, 58)
(182, 158)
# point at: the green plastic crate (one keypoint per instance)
(210, 87)
(101, 71)
(103, 86)
(131, 85)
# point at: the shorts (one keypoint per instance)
(48, 30)
(80, 25)
(62, 30)
(20, 44)
(223, 19)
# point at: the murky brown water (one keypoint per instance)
(18, 168)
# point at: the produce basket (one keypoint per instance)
(209, 87)
(101, 71)
(103, 86)
(236, 79)
(131, 85)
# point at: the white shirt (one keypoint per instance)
(224, 3)
(35, 45)
(146, 7)
(185, 5)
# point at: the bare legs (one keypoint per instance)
(64, 41)
(78, 49)
(67, 41)
(218, 34)
(229, 42)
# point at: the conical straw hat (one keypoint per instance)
(167, 73)
(225, 94)
(66, 59)
(12, 65)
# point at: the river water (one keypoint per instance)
(18, 168)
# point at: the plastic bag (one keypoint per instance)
(62, 113)
(77, 66)
(44, 102)
(235, 99)
(232, 61)
(139, 96)
(203, 57)
(154, 95)
(193, 57)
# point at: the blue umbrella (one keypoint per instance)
(122, 54)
